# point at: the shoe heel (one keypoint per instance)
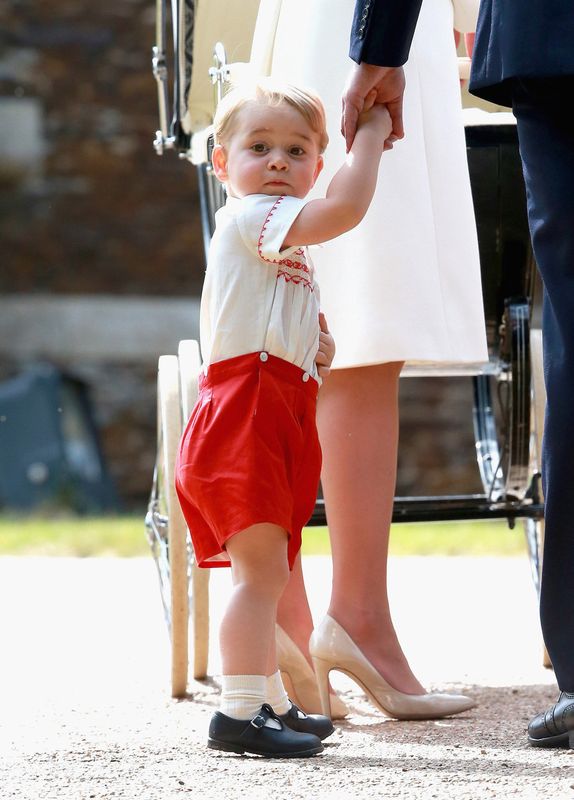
(213, 744)
(571, 740)
(322, 669)
(290, 688)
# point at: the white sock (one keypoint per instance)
(276, 695)
(243, 695)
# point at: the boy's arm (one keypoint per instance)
(351, 189)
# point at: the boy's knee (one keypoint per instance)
(283, 576)
(274, 578)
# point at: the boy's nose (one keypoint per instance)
(277, 161)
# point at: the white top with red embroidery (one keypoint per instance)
(257, 296)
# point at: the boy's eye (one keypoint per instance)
(259, 147)
(296, 151)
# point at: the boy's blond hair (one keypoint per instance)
(270, 93)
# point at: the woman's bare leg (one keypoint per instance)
(293, 612)
(358, 427)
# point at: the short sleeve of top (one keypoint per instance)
(265, 221)
(257, 296)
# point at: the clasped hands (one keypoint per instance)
(388, 84)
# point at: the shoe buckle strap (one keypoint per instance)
(296, 712)
(265, 713)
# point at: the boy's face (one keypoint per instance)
(270, 151)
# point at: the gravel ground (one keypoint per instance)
(86, 713)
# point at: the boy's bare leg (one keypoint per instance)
(250, 677)
(260, 572)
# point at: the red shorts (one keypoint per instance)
(250, 454)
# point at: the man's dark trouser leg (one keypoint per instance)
(546, 135)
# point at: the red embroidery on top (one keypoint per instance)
(287, 262)
(289, 277)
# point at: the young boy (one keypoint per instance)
(250, 460)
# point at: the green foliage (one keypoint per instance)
(481, 538)
(125, 536)
(73, 536)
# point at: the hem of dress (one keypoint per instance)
(414, 362)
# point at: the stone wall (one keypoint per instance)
(88, 209)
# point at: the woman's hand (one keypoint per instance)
(389, 84)
(326, 351)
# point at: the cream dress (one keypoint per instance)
(405, 284)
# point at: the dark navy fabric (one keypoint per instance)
(515, 38)
(382, 31)
(546, 136)
(520, 39)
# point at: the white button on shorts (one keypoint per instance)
(263, 356)
(305, 377)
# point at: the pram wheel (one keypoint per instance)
(198, 595)
(534, 527)
(165, 526)
(183, 587)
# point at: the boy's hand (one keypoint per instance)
(326, 351)
(376, 116)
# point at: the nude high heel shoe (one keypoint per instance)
(300, 681)
(332, 648)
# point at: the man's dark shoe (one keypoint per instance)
(554, 727)
(241, 736)
(297, 720)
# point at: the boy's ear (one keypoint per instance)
(318, 168)
(219, 162)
